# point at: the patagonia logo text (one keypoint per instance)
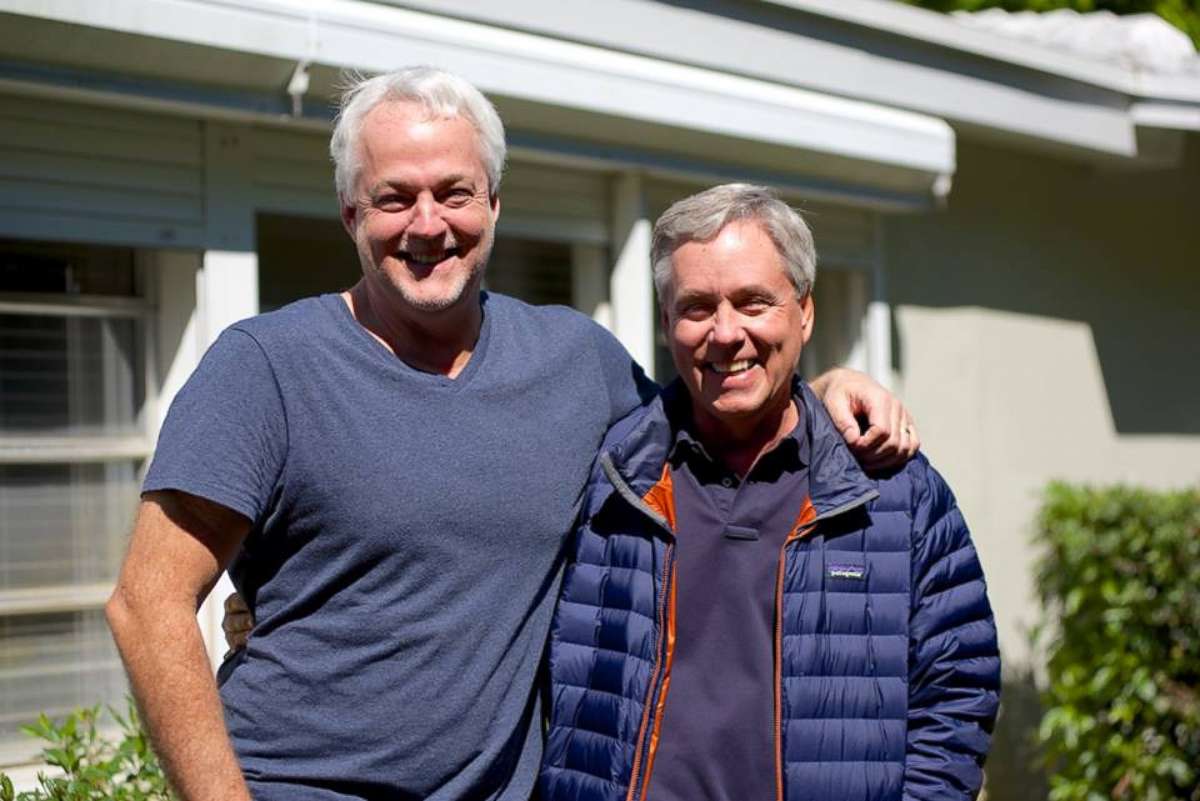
(847, 572)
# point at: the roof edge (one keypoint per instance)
(942, 30)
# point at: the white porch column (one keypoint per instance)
(589, 282)
(226, 291)
(631, 287)
(878, 328)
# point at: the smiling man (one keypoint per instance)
(389, 473)
(746, 615)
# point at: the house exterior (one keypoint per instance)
(1008, 237)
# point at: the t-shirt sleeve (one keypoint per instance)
(628, 385)
(225, 436)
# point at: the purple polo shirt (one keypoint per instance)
(717, 740)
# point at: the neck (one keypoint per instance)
(435, 342)
(740, 443)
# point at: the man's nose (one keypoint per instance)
(427, 221)
(726, 329)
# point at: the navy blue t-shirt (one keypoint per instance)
(406, 540)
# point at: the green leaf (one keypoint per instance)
(1118, 576)
(95, 768)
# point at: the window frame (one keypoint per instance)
(84, 449)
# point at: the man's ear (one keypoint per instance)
(809, 312)
(495, 203)
(349, 215)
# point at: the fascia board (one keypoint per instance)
(966, 90)
(375, 37)
(939, 29)
(1171, 116)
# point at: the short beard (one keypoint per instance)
(436, 304)
(448, 300)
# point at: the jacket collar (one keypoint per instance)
(636, 452)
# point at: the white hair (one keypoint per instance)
(701, 217)
(442, 94)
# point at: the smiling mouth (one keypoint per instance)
(731, 368)
(428, 258)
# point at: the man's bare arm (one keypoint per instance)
(890, 437)
(179, 547)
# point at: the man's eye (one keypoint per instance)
(392, 202)
(695, 311)
(754, 306)
(458, 197)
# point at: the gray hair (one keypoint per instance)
(443, 94)
(703, 216)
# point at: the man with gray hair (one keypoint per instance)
(388, 473)
(746, 615)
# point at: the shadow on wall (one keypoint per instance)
(1014, 771)
(1114, 248)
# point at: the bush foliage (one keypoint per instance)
(93, 767)
(1119, 579)
(1183, 14)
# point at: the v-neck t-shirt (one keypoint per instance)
(406, 539)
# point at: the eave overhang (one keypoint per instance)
(553, 87)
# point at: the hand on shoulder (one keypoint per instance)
(875, 423)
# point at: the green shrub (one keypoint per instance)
(94, 767)
(1119, 579)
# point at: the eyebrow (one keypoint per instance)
(686, 297)
(754, 290)
(449, 180)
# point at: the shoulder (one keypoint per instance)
(917, 481)
(288, 323)
(561, 321)
(563, 335)
(929, 489)
(925, 497)
(623, 428)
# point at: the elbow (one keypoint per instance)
(138, 615)
(119, 614)
(132, 618)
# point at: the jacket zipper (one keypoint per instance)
(645, 739)
(797, 533)
(662, 661)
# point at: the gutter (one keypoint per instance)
(540, 69)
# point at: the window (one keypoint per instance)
(536, 272)
(839, 334)
(74, 363)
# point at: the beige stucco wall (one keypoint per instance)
(1047, 325)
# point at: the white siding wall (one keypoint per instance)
(91, 174)
(292, 173)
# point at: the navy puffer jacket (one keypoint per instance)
(886, 658)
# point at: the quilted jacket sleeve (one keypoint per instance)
(954, 661)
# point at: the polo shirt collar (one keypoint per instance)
(795, 449)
